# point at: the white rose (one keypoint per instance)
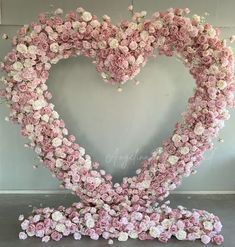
(56, 142)
(208, 225)
(133, 25)
(32, 49)
(59, 11)
(39, 104)
(81, 151)
(199, 130)
(176, 138)
(123, 236)
(95, 23)
(211, 32)
(144, 35)
(28, 63)
(21, 48)
(17, 66)
(54, 47)
(166, 223)
(145, 184)
(172, 159)
(197, 18)
(158, 24)
(184, 150)
(57, 216)
(90, 223)
(60, 227)
(139, 60)
(221, 84)
(76, 24)
(133, 234)
(143, 13)
(45, 118)
(86, 16)
(55, 114)
(113, 43)
(154, 232)
(29, 128)
(181, 235)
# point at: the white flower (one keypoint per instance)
(184, 150)
(29, 128)
(199, 130)
(57, 216)
(77, 236)
(95, 23)
(133, 25)
(113, 43)
(59, 163)
(176, 138)
(208, 225)
(139, 60)
(39, 104)
(60, 227)
(166, 223)
(54, 47)
(75, 24)
(211, 32)
(123, 236)
(154, 232)
(32, 49)
(81, 151)
(221, 84)
(22, 235)
(86, 16)
(59, 11)
(145, 184)
(144, 35)
(197, 18)
(143, 13)
(45, 117)
(17, 66)
(21, 48)
(21, 217)
(181, 235)
(90, 223)
(133, 234)
(172, 159)
(55, 115)
(28, 63)
(56, 142)
(158, 24)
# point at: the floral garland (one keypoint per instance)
(129, 209)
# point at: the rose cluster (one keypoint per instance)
(119, 52)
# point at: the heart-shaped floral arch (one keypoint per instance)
(128, 209)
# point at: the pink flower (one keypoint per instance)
(219, 239)
(56, 236)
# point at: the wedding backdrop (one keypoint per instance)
(95, 130)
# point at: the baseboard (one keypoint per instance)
(193, 192)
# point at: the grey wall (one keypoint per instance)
(117, 129)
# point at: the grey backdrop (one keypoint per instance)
(117, 129)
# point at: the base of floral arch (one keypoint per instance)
(110, 222)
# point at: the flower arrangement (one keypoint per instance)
(134, 208)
